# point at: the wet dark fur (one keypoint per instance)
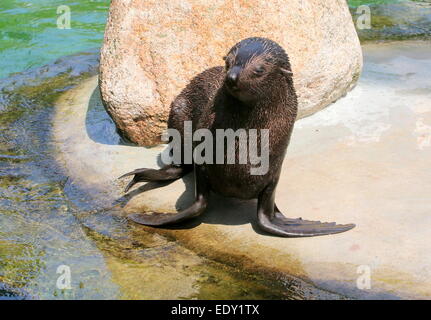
(208, 104)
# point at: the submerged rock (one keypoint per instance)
(152, 49)
(365, 160)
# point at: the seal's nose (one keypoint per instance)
(232, 76)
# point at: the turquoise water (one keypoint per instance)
(29, 36)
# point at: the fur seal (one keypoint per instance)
(254, 90)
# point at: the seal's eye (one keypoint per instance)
(259, 70)
(227, 64)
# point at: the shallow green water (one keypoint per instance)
(29, 35)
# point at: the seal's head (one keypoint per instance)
(254, 66)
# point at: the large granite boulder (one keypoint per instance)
(153, 48)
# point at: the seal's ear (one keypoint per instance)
(286, 72)
(224, 58)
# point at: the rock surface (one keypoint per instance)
(365, 160)
(152, 49)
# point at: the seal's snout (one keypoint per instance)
(232, 77)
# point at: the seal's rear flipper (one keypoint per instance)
(273, 221)
(281, 216)
(286, 227)
(169, 172)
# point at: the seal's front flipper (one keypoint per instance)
(196, 209)
(273, 221)
(169, 172)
